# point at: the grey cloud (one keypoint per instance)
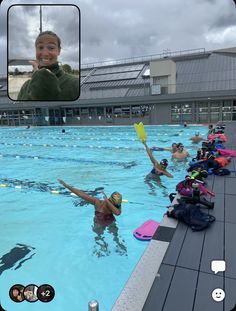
(226, 18)
(29, 9)
(68, 30)
(20, 41)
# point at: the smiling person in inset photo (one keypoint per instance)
(49, 81)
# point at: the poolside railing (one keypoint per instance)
(122, 61)
(93, 305)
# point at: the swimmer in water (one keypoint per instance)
(104, 218)
(180, 154)
(159, 169)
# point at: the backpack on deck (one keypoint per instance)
(184, 187)
(191, 215)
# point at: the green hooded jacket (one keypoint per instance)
(50, 83)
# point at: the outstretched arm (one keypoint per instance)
(168, 149)
(156, 148)
(154, 161)
(167, 174)
(80, 193)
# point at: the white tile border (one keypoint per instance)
(137, 288)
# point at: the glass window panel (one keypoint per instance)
(203, 104)
(84, 111)
(203, 117)
(215, 109)
(226, 116)
(175, 117)
(76, 112)
(227, 103)
(226, 109)
(100, 111)
(175, 108)
(187, 117)
(92, 111)
(214, 117)
(202, 109)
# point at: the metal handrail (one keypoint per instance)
(93, 305)
(143, 58)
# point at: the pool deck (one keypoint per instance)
(175, 271)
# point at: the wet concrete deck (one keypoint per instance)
(185, 281)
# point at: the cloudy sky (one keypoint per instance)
(116, 29)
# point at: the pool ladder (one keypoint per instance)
(93, 305)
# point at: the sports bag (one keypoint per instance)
(191, 215)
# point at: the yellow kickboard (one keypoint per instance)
(140, 131)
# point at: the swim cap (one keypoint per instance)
(116, 199)
(197, 133)
(164, 162)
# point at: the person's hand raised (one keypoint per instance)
(61, 182)
(34, 64)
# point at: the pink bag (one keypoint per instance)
(185, 188)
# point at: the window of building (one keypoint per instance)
(215, 107)
(135, 111)
(92, 112)
(69, 113)
(108, 113)
(227, 106)
(84, 111)
(100, 111)
(175, 108)
(226, 116)
(175, 117)
(214, 117)
(186, 108)
(121, 112)
(202, 107)
(203, 117)
(186, 117)
(76, 112)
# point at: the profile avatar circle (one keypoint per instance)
(30, 293)
(16, 293)
(45, 293)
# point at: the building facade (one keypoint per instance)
(192, 86)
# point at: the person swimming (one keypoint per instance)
(196, 138)
(163, 163)
(104, 209)
(159, 169)
(103, 218)
(180, 154)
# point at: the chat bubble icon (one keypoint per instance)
(218, 266)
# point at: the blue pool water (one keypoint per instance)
(48, 238)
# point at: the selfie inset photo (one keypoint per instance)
(43, 53)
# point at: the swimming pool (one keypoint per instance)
(48, 238)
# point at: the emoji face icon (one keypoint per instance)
(218, 294)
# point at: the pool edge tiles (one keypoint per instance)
(135, 292)
(137, 288)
